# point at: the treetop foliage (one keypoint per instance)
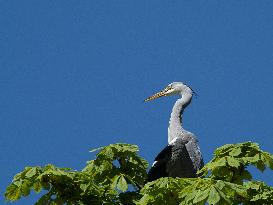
(118, 176)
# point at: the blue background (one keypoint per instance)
(73, 76)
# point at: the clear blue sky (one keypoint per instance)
(73, 75)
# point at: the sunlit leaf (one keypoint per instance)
(235, 152)
(233, 162)
(214, 196)
(12, 193)
(201, 196)
(106, 180)
(122, 184)
(30, 173)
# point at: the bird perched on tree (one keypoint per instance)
(182, 156)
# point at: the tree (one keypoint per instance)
(118, 176)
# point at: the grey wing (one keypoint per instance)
(195, 153)
(179, 159)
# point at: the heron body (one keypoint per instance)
(182, 156)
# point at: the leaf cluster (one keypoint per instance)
(185, 191)
(224, 180)
(230, 162)
(118, 176)
(105, 180)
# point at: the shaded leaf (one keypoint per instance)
(246, 175)
(25, 189)
(37, 186)
(268, 160)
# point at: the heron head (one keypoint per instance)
(174, 88)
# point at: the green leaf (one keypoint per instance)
(30, 173)
(235, 152)
(25, 189)
(221, 162)
(190, 197)
(220, 184)
(37, 186)
(13, 193)
(268, 160)
(103, 181)
(214, 196)
(114, 182)
(246, 175)
(84, 187)
(241, 190)
(260, 165)
(256, 158)
(145, 199)
(201, 195)
(122, 184)
(224, 197)
(233, 162)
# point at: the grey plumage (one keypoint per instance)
(182, 156)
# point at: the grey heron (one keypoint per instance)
(182, 156)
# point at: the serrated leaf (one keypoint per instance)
(224, 197)
(25, 189)
(189, 197)
(18, 183)
(221, 162)
(202, 172)
(256, 158)
(201, 195)
(145, 199)
(233, 162)
(241, 190)
(30, 173)
(268, 160)
(122, 184)
(214, 196)
(114, 182)
(13, 193)
(37, 186)
(106, 152)
(260, 165)
(84, 187)
(235, 152)
(220, 184)
(49, 167)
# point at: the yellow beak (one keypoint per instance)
(157, 95)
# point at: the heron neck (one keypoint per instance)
(175, 125)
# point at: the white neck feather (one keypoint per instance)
(175, 124)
